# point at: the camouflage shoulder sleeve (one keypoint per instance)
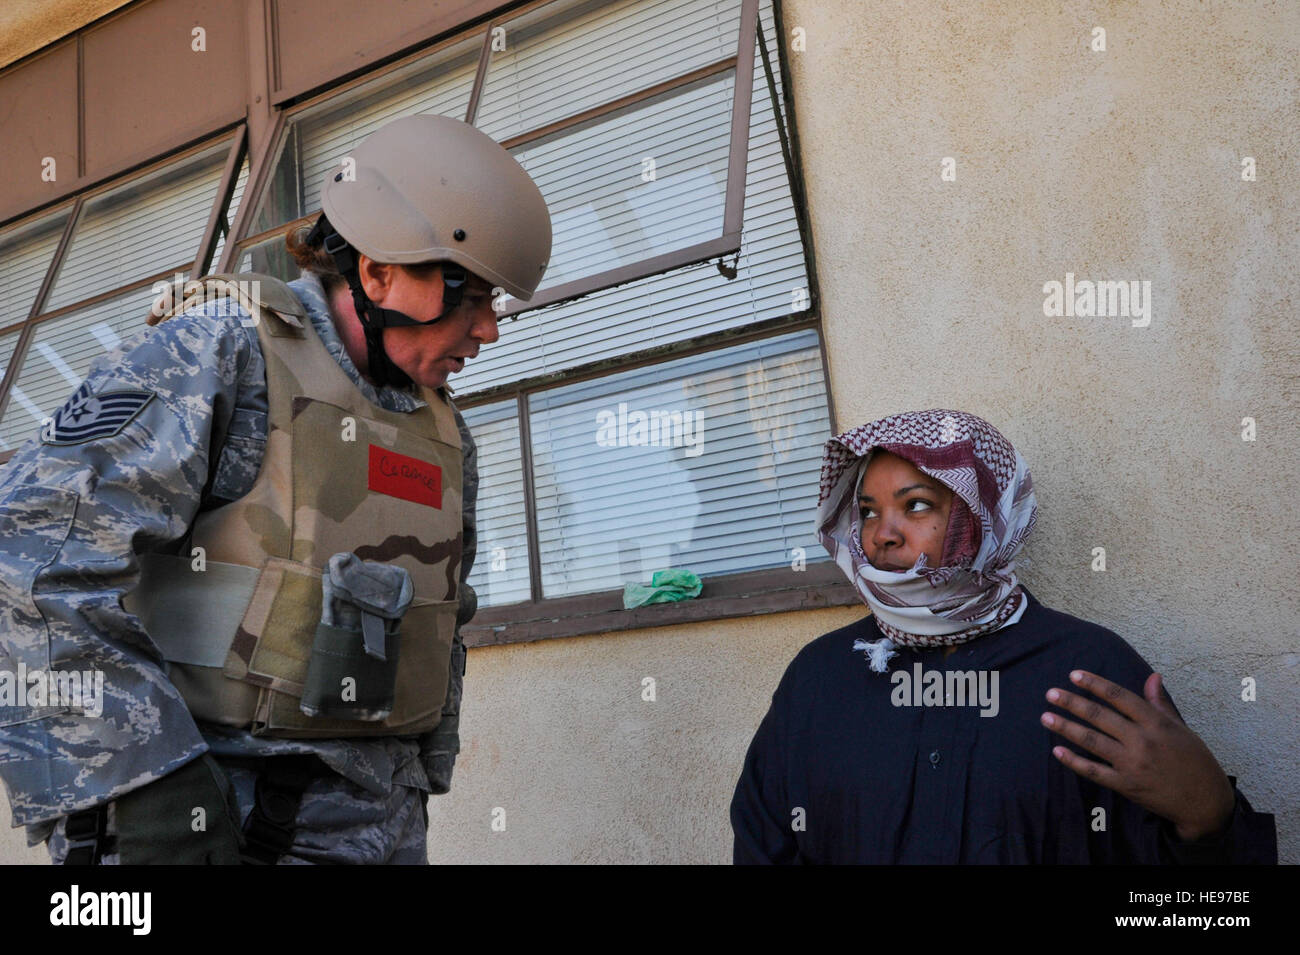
(86, 712)
(438, 747)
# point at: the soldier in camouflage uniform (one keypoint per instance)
(171, 428)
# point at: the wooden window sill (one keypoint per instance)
(781, 590)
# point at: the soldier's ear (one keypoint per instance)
(376, 278)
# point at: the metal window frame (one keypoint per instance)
(259, 169)
(225, 191)
(655, 355)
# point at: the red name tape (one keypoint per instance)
(408, 478)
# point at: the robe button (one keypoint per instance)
(934, 758)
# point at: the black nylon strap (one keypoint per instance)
(85, 833)
(269, 829)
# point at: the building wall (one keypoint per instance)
(1116, 165)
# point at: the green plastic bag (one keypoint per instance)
(666, 586)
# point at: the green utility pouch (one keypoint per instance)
(346, 682)
(352, 673)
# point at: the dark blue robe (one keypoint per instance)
(838, 773)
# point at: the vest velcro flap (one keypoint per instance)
(191, 615)
(272, 646)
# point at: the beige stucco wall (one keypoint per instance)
(557, 734)
(1115, 165)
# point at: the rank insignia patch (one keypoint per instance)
(87, 416)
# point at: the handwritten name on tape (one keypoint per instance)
(408, 478)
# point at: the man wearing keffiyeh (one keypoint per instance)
(926, 513)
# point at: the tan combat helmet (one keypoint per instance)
(428, 188)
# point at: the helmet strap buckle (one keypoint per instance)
(334, 243)
(453, 286)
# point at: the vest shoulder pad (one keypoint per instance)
(253, 290)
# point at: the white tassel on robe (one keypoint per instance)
(878, 652)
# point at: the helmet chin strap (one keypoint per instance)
(382, 370)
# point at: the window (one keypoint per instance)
(26, 251)
(501, 566)
(139, 229)
(60, 356)
(591, 101)
(709, 462)
(124, 238)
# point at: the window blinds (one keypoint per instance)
(140, 229)
(500, 573)
(60, 356)
(636, 184)
(708, 462)
(25, 255)
(564, 58)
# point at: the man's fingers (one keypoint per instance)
(1099, 774)
(1098, 714)
(1090, 739)
(1126, 701)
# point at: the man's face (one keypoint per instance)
(904, 514)
(430, 353)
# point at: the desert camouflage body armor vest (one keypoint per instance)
(339, 474)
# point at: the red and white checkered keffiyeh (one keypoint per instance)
(975, 590)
